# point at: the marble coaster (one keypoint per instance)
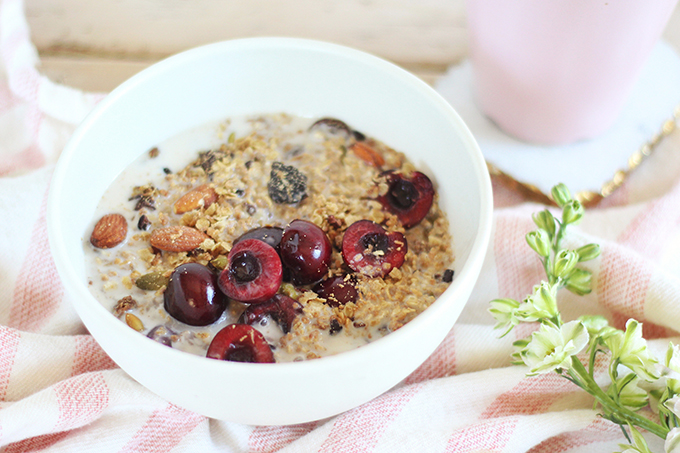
(588, 167)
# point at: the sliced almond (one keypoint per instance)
(368, 154)
(178, 238)
(109, 231)
(201, 196)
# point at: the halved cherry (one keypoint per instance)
(240, 343)
(280, 308)
(254, 272)
(371, 250)
(409, 199)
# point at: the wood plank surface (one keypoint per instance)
(95, 45)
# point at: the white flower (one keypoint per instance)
(630, 350)
(672, 444)
(541, 304)
(503, 311)
(552, 347)
(673, 405)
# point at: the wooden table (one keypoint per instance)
(95, 45)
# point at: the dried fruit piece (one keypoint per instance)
(109, 231)
(368, 154)
(409, 199)
(152, 281)
(240, 343)
(286, 184)
(134, 322)
(123, 305)
(282, 309)
(201, 196)
(371, 250)
(144, 223)
(177, 238)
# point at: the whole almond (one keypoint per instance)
(178, 238)
(368, 154)
(109, 231)
(201, 196)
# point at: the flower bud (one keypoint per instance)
(588, 252)
(564, 263)
(572, 212)
(539, 241)
(560, 193)
(594, 323)
(579, 282)
(545, 221)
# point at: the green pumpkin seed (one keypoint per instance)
(220, 262)
(151, 281)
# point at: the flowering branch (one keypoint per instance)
(636, 379)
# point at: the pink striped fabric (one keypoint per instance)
(59, 392)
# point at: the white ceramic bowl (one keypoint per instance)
(265, 75)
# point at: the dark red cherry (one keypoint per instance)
(337, 290)
(192, 295)
(253, 273)
(269, 234)
(240, 343)
(371, 250)
(280, 308)
(409, 199)
(305, 251)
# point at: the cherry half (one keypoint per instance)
(409, 199)
(240, 343)
(192, 295)
(305, 251)
(253, 273)
(337, 290)
(281, 308)
(369, 249)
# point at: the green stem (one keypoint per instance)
(609, 405)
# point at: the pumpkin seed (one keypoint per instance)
(134, 322)
(151, 281)
(220, 262)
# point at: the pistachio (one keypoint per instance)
(220, 262)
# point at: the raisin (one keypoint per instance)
(145, 201)
(448, 276)
(286, 184)
(144, 223)
(335, 326)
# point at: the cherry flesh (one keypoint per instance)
(409, 199)
(253, 273)
(371, 250)
(305, 251)
(281, 308)
(240, 343)
(192, 295)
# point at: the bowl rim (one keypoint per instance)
(470, 269)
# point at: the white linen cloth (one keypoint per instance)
(59, 392)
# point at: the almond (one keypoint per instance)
(110, 231)
(203, 195)
(177, 238)
(367, 154)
